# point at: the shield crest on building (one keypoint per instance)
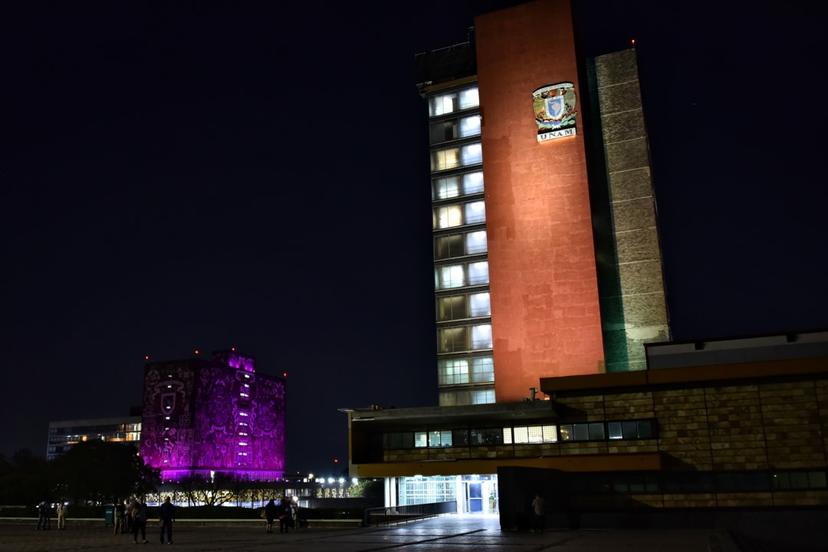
(554, 107)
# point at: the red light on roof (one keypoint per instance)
(336, 460)
(196, 351)
(233, 349)
(284, 374)
(632, 41)
(146, 357)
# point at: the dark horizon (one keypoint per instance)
(180, 177)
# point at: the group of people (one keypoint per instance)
(131, 518)
(44, 515)
(286, 511)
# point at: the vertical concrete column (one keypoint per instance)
(633, 210)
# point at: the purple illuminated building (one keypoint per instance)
(213, 416)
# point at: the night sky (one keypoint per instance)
(193, 174)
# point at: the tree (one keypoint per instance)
(100, 472)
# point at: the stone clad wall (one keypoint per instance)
(632, 202)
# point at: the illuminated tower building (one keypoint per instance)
(546, 251)
(203, 417)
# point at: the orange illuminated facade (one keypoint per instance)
(546, 317)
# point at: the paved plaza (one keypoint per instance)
(448, 533)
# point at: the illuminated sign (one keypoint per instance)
(554, 106)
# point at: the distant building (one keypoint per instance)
(66, 433)
(202, 417)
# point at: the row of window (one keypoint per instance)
(461, 214)
(452, 158)
(530, 434)
(706, 482)
(460, 275)
(461, 397)
(464, 127)
(460, 371)
(448, 187)
(453, 101)
(464, 338)
(458, 307)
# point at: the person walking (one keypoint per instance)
(129, 515)
(61, 516)
(139, 521)
(270, 513)
(167, 516)
(120, 512)
(43, 521)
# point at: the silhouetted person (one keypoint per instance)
(167, 516)
(285, 519)
(43, 520)
(270, 512)
(538, 517)
(120, 514)
(139, 521)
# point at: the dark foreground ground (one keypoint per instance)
(446, 533)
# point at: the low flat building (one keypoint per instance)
(64, 434)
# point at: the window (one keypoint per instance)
(398, 440)
(470, 126)
(444, 159)
(449, 216)
(469, 98)
(471, 154)
(641, 429)
(440, 105)
(614, 430)
(448, 246)
(453, 372)
(521, 435)
(489, 436)
(482, 396)
(451, 308)
(451, 277)
(550, 434)
(473, 183)
(481, 336)
(420, 439)
(482, 370)
(460, 437)
(444, 131)
(448, 187)
(475, 212)
(507, 435)
(479, 273)
(476, 241)
(596, 432)
(453, 339)
(582, 432)
(439, 439)
(799, 480)
(479, 304)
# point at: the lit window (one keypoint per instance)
(451, 308)
(473, 183)
(470, 126)
(453, 372)
(475, 212)
(479, 273)
(449, 216)
(469, 98)
(479, 304)
(521, 435)
(452, 276)
(482, 370)
(440, 105)
(447, 158)
(438, 439)
(535, 434)
(420, 439)
(476, 241)
(614, 430)
(482, 336)
(445, 188)
(507, 435)
(550, 434)
(471, 154)
(483, 396)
